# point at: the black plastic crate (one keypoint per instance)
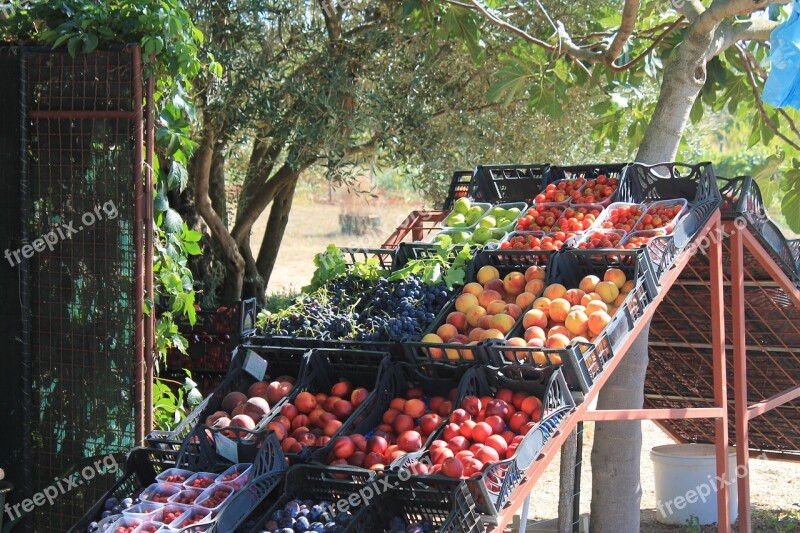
(669, 181)
(462, 185)
(445, 504)
(384, 256)
(737, 197)
(493, 487)
(505, 261)
(588, 172)
(435, 379)
(324, 368)
(144, 464)
(321, 484)
(280, 361)
(584, 362)
(511, 183)
(409, 251)
(236, 321)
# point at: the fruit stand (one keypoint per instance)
(427, 385)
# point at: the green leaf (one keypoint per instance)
(790, 207)
(459, 23)
(173, 223)
(192, 248)
(178, 177)
(696, 114)
(90, 42)
(454, 276)
(160, 202)
(511, 80)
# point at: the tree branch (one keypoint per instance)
(500, 23)
(759, 103)
(629, 14)
(679, 23)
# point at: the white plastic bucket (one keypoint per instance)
(686, 483)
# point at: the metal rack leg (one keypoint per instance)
(523, 514)
(576, 501)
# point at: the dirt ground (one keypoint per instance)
(775, 486)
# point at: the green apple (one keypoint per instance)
(488, 222)
(462, 206)
(460, 236)
(475, 212)
(482, 235)
(504, 222)
(456, 220)
(513, 212)
(499, 213)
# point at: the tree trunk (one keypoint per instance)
(231, 258)
(566, 488)
(616, 488)
(216, 185)
(276, 226)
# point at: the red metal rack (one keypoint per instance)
(743, 246)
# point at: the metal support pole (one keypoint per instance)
(523, 514)
(720, 380)
(740, 380)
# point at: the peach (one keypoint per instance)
(451, 430)
(554, 290)
(579, 339)
(588, 283)
(542, 304)
(397, 404)
(429, 422)
(242, 421)
(331, 428)
(212, 418)
(305, 402)
(525, 299)
(498, 443)
(502, 323)
(514, 282)
(535, 332)
(445, 408)
(518, 419)
(577, 308)
(389, 415)
(280, 431)
(535, 272)
(472, 467)
(616, 276)
(239, 410)
(259, 388)
(233, 400)
(343, 409)
(377, 444)
(535, 287)
(576, 322)
(492, 334)
(343, 447)
(590, 297)
(487, 297)
(500, 409)
(620, 300)
(343, 389)
(487, 273)
(472, 288)
(487, 454)
(433, 338)
(458, 443)
(452, 467)
(465, 302)
(446, 332)
(559, 309)
(359, 395)
(596, 305)
(458, 320)
(495, 307)
(475, 334)
(628, 286)
(598, 321)
(434, 403)
(472, 405)
(438, 455)
(495, 285)
(330, 402)
(475, 314)
(466, 429)
(402, 423)
(409, 441)
(414, 408)
(481, 432)
(360, 441)
(557, 341)
(535, 317)
(512, 310)
(514, 342)
(574, 296)
(532, 406)
(484, 321)
(256, 408)
(495, 422)
(608, 291)
(459, 416)
(558, 330)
